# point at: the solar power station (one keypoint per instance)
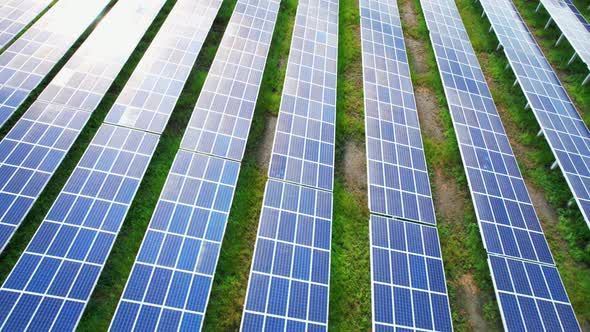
(289, 278)
(30, 58)
(33, 149)
(15, 15)
(407, 277)
(561, 124)
(573, 26)
(171, 279)
(508, 223)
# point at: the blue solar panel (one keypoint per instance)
(174, 269)
(290, 274)
(409, 289)
(397, 174)
(508, 222)
(26, 62)
(15, 15)
(531, 296)
(303, 150)
(221, 120)
(149, 97)
(54, 277)
(36, 145)
(562, 126)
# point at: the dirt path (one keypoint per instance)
(264, 149)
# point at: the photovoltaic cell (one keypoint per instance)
(303, 150)
(572, 24)
(409, 288)
(531, 296)
(15, 15)
(289, 281)
(222, 116)
(151, 93)
(53, 279)
(172, 276)
(36, 145)
(507, 219)
(171, 279)
(397, 174)
(562, 126)
(26, 62)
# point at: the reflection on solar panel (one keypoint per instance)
(149, 96)
(172, 276)
(288, 284)
(54, 277)
(506, 216)
(407, 276)
(221, 120)
(34, 148)
(289, 278)
(303, 150)
(26, 62)
(397, 175)
(97, 196)
(15, 15)
(573, 26)
(531, 296)
(560, 122)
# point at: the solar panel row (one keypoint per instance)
(407, 275)
(290, 273)
(510, 228)
(572, 24)
(92, 206)
(562, 126)
(30, 58)
(15, 15)
(33, 149)
(172, 276)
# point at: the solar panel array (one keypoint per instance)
(54, 277)
(15, 15)
(508, 223)
(562, 126)
(572, 24)
(407, 275)
(30, 58)
(171, 279)
(97, 196)
(31, 152)
(288, 286)
(303, 151)
(397, 175)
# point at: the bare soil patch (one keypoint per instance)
(355, 167)
(265, 147)
(408, 13)
(469, 292)
(428, 114)
(418, 52)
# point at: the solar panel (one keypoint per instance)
(171, 279)
(531, 296)
(572, 24)
(560, 122)
(507, 219)
(26, 62)
(221, 120)
(149, 97)
(303, 150)
(288, 287)
(31, 152)
(172, 276)
(15, 15)
(397, 174)
(53, 279)
(409, 289)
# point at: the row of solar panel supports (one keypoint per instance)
(559, 39)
